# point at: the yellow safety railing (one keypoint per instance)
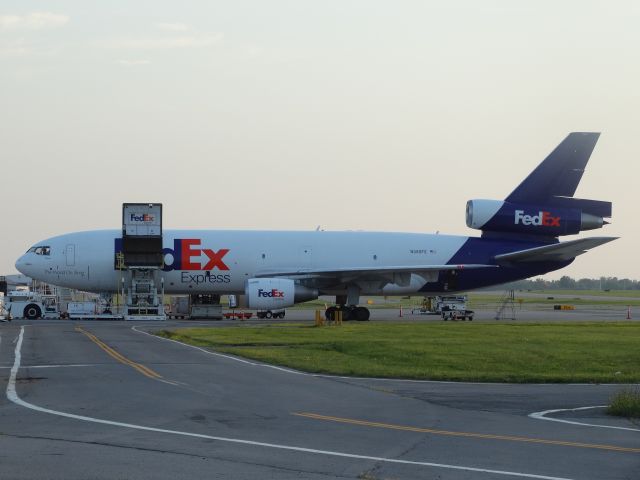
(320, 318)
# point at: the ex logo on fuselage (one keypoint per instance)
(187, 254)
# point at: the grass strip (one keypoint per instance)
(625, 403)
(476, 300)
(520, 353)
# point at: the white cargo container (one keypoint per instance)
(142, 219)
(82, 308)
(179, 307)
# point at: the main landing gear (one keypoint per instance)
(350, 312)
(348, 305)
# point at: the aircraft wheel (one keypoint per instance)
(282, 314)
(32, 311)
(362, 314)
(268, 314)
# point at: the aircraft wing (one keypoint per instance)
(368, 271)
(555, 252)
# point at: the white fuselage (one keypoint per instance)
(210, 261)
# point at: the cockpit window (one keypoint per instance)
(41, 250)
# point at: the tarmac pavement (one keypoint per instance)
(105, 400)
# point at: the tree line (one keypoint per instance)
(568, 283)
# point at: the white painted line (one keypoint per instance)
(170, 382)
(543, 416)
(231, 357)
(12, 395)
(59, 366)
(345, 377)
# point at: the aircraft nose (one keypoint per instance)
(23, 264)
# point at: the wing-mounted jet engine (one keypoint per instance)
(276, 293)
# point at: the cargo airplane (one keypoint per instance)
(276, 269)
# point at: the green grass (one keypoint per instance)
(575, 352)
(625, 403)
(482, 300)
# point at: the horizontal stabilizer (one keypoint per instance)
(555, 252)
(592, 207)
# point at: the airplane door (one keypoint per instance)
(70, 253)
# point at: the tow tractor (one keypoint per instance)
(31, 305)
(453, 308)
(449, 313)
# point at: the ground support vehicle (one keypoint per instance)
(449, 302)
(91, 310)
(200, 306)
(31, 305)
(206, 312)
(239, 315)
(455, 314)
(3, 312)
(179, 308)
(270, 313)
(427, 307)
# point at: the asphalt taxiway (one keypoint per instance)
(104, 400)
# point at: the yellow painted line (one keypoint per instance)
(465, 434)
(146, 371)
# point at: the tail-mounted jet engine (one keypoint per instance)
(567, 216)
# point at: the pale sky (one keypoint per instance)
(352, 115)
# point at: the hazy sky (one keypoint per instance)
(363, 115)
